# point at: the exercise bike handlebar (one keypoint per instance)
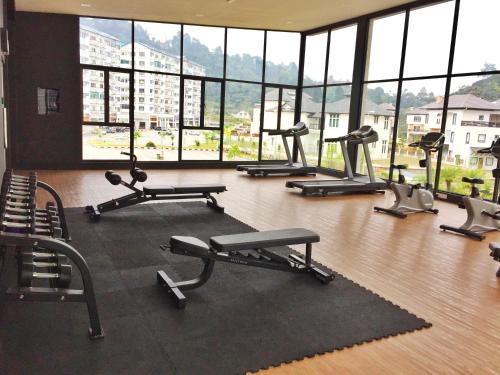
(433, 144)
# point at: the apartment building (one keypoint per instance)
(156, 95)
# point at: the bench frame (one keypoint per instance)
(139, 196)
(260, 257)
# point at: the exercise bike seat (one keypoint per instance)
(158, 189)
(476, 181)
(399, 166)
(181, 244)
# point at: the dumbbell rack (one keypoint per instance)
(24, 227)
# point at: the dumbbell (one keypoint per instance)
(61, 278)
(43, 229)
(42, 255)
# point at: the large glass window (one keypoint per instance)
(421, 106)
(200, 144)
(377, 111)
(93, 95)
(156, 116)
(473, 100)
(341, 59)
(282, 57)
(105, 42)
(244, 54)
(105, 142)
(427, 51)
(314, 65)
(337, 112)
(157, 47)
(241, 132)
(312, 99)
(384, 47)
(203, 51)
(476, 47)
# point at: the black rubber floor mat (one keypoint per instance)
(243, 319)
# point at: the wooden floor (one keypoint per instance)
(444, 278)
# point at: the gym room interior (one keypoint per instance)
(238, 187)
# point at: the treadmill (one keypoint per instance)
(351, 184)
(290, 168)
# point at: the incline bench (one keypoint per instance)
(247, 249)
(495, 253)
(152, 192)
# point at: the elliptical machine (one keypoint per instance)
(411, 198)
(482, 216)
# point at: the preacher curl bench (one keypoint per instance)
(246, 249)
(152, 192)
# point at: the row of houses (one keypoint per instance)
(473, 123)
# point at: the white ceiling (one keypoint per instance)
(293, 15)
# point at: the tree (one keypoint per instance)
(449, 175)
(137, 135)
(233, 152)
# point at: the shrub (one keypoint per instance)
(197, 143)
(151, 144)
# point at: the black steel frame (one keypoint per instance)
(132, 70)
(359, 82)
(260, 257)
(357, 86)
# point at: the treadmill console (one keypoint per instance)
(364, 134)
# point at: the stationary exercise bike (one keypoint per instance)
(482, 216)
(411, 198)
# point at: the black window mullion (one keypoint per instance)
(355, 106)
(298, 96)
(323, 103)
(262, 98)
(447, 90)
(131, 96)
(181, 98)
(106, 97)
(398, 95)
(202, 104)
(280, 100)
(223, 98)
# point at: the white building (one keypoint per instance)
(380, 117)
(472, 123)
(156, 95)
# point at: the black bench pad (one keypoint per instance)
(399, 166)
(186, 189)
(192, 244)
(182, 189)
(158, 189)
(271, 238)
(473, 180)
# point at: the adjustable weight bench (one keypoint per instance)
(152, 192)
(246, 249)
